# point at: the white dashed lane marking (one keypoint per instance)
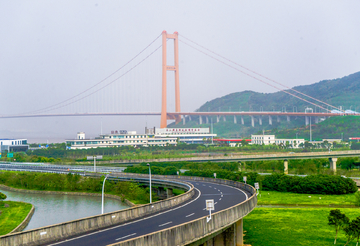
(165, 223)
(190, 215)
(126, 236)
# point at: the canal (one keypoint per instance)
(52, 209)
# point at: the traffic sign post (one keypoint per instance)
(245, 178)
(257, 188)
(209, 206)
(214, 175)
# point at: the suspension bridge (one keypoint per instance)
(131, 90)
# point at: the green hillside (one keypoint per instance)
(342, 92)
(332, 128)
(338, 92)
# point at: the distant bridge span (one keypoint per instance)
(174, 114)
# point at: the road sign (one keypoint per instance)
(10, 155)
(210, 204)
(245, 178)
(214, 175)
(257, 186)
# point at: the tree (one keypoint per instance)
(338, 220)
(352, 231)
(2, 196)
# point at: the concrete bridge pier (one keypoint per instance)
(316, 119)
(231, 236)
(278, 118)
(288, 118)
(169, 192)
(252, 121)
(333, 164)
(217, 119)
(207, 120)
(270, 120)
(242, 120)
(184, 120)
(224, 117)
(286, 167)
(260, 121)
(189, 117)
(235, 119)
(307, 120)
(200, 120)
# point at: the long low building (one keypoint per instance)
(13, 145)
(270, 139)
(185, 135)
(118, 139)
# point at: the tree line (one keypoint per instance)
(311, 184)
(75, 183)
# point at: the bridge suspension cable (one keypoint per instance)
(106, 85)
(59, 105)
(258, 75)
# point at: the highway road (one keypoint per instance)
(224, 197)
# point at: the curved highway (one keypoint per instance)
(224, 197)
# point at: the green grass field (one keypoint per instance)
(275, 197)
(293, 226)
(12, 216)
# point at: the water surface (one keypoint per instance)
(53, 209)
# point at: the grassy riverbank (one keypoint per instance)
(13, 215)
(287, 198)
(74, 183)
(291, 225)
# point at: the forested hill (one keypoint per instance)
(338, 92)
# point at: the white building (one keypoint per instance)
(13, 145)
(118, 139)
(270, 139)
(262, 139)
(185, 135)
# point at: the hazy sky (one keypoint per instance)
(53, 50)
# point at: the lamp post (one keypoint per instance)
(98, 157)
(149, 180)
(102, 195)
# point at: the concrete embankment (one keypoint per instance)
(25, 222)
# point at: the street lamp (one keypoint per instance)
(149, 179)
(97, 157)
(102, 195)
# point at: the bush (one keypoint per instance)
(312, 184)
(2, 196)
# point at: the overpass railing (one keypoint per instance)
(197, 229)
(68, 229)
